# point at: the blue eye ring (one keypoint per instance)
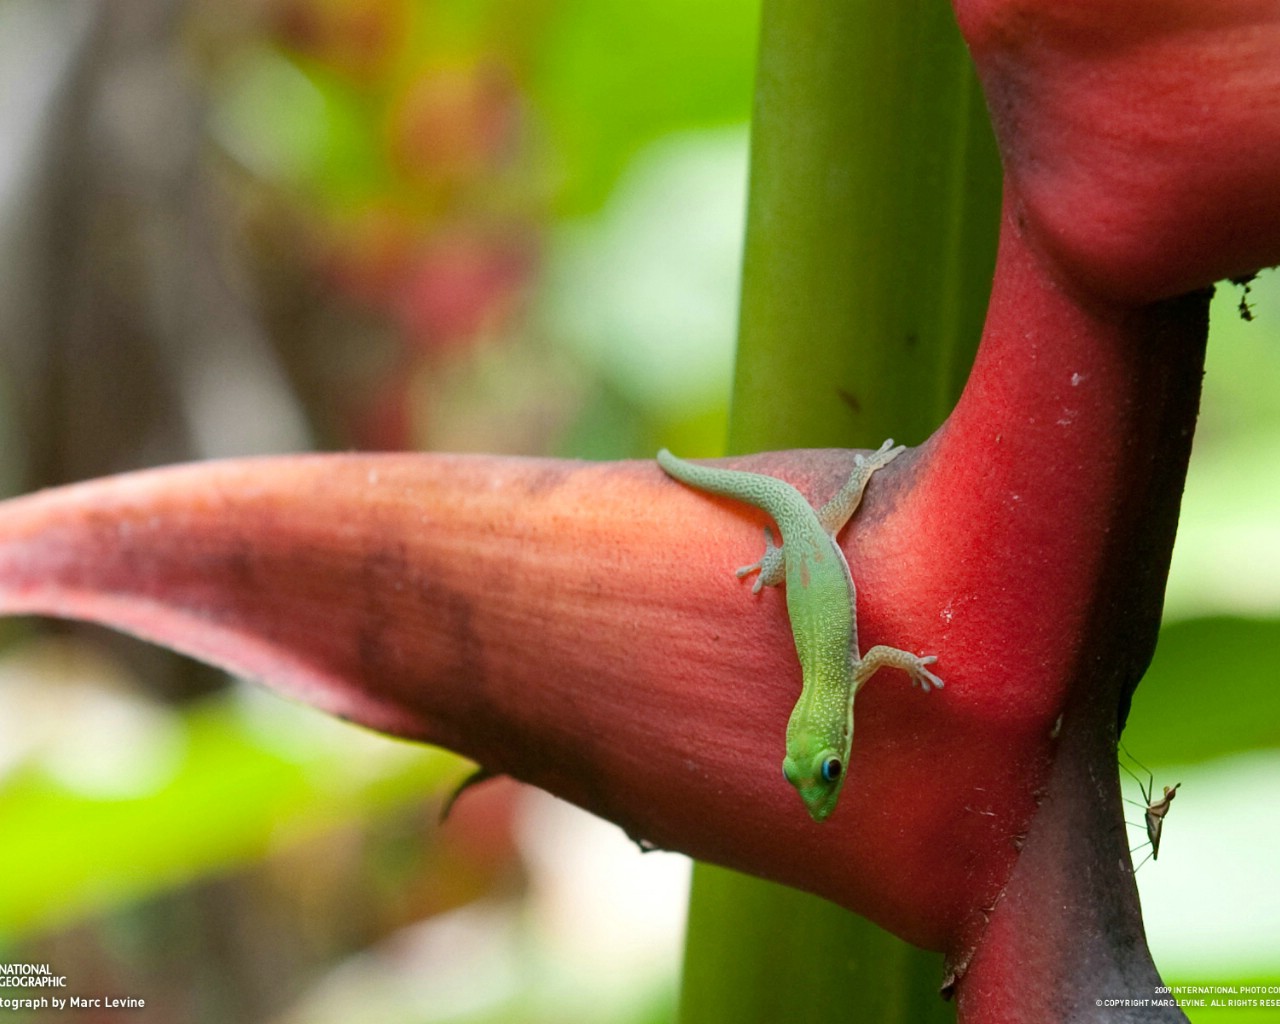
(831, 769)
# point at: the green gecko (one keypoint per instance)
(822, 607)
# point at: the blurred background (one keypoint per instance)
(233, 227)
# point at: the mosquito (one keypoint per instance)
(1153, 810)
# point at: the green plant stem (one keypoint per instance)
(871, 226)
(758, 950)
(870, 244)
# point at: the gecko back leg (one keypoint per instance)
(772, 566)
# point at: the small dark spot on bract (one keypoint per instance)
(546, 480)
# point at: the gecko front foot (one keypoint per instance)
(882, 456)
(913, 665)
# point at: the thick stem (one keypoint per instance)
(875, 189)
(1075, 432)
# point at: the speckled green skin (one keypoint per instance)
(822, 606)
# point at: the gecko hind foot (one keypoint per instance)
(914, 665)
(920, 674)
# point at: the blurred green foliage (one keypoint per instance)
(1205, 672)
(444, 164)
(614, 77)
(234, 793)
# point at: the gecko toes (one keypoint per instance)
(923, 676)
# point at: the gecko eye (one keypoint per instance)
(831, 768)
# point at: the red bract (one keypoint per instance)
(576, 625)
(1141, 139)
(579, 626)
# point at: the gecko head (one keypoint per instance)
(817, 776)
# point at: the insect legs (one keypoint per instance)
(1154, 811)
